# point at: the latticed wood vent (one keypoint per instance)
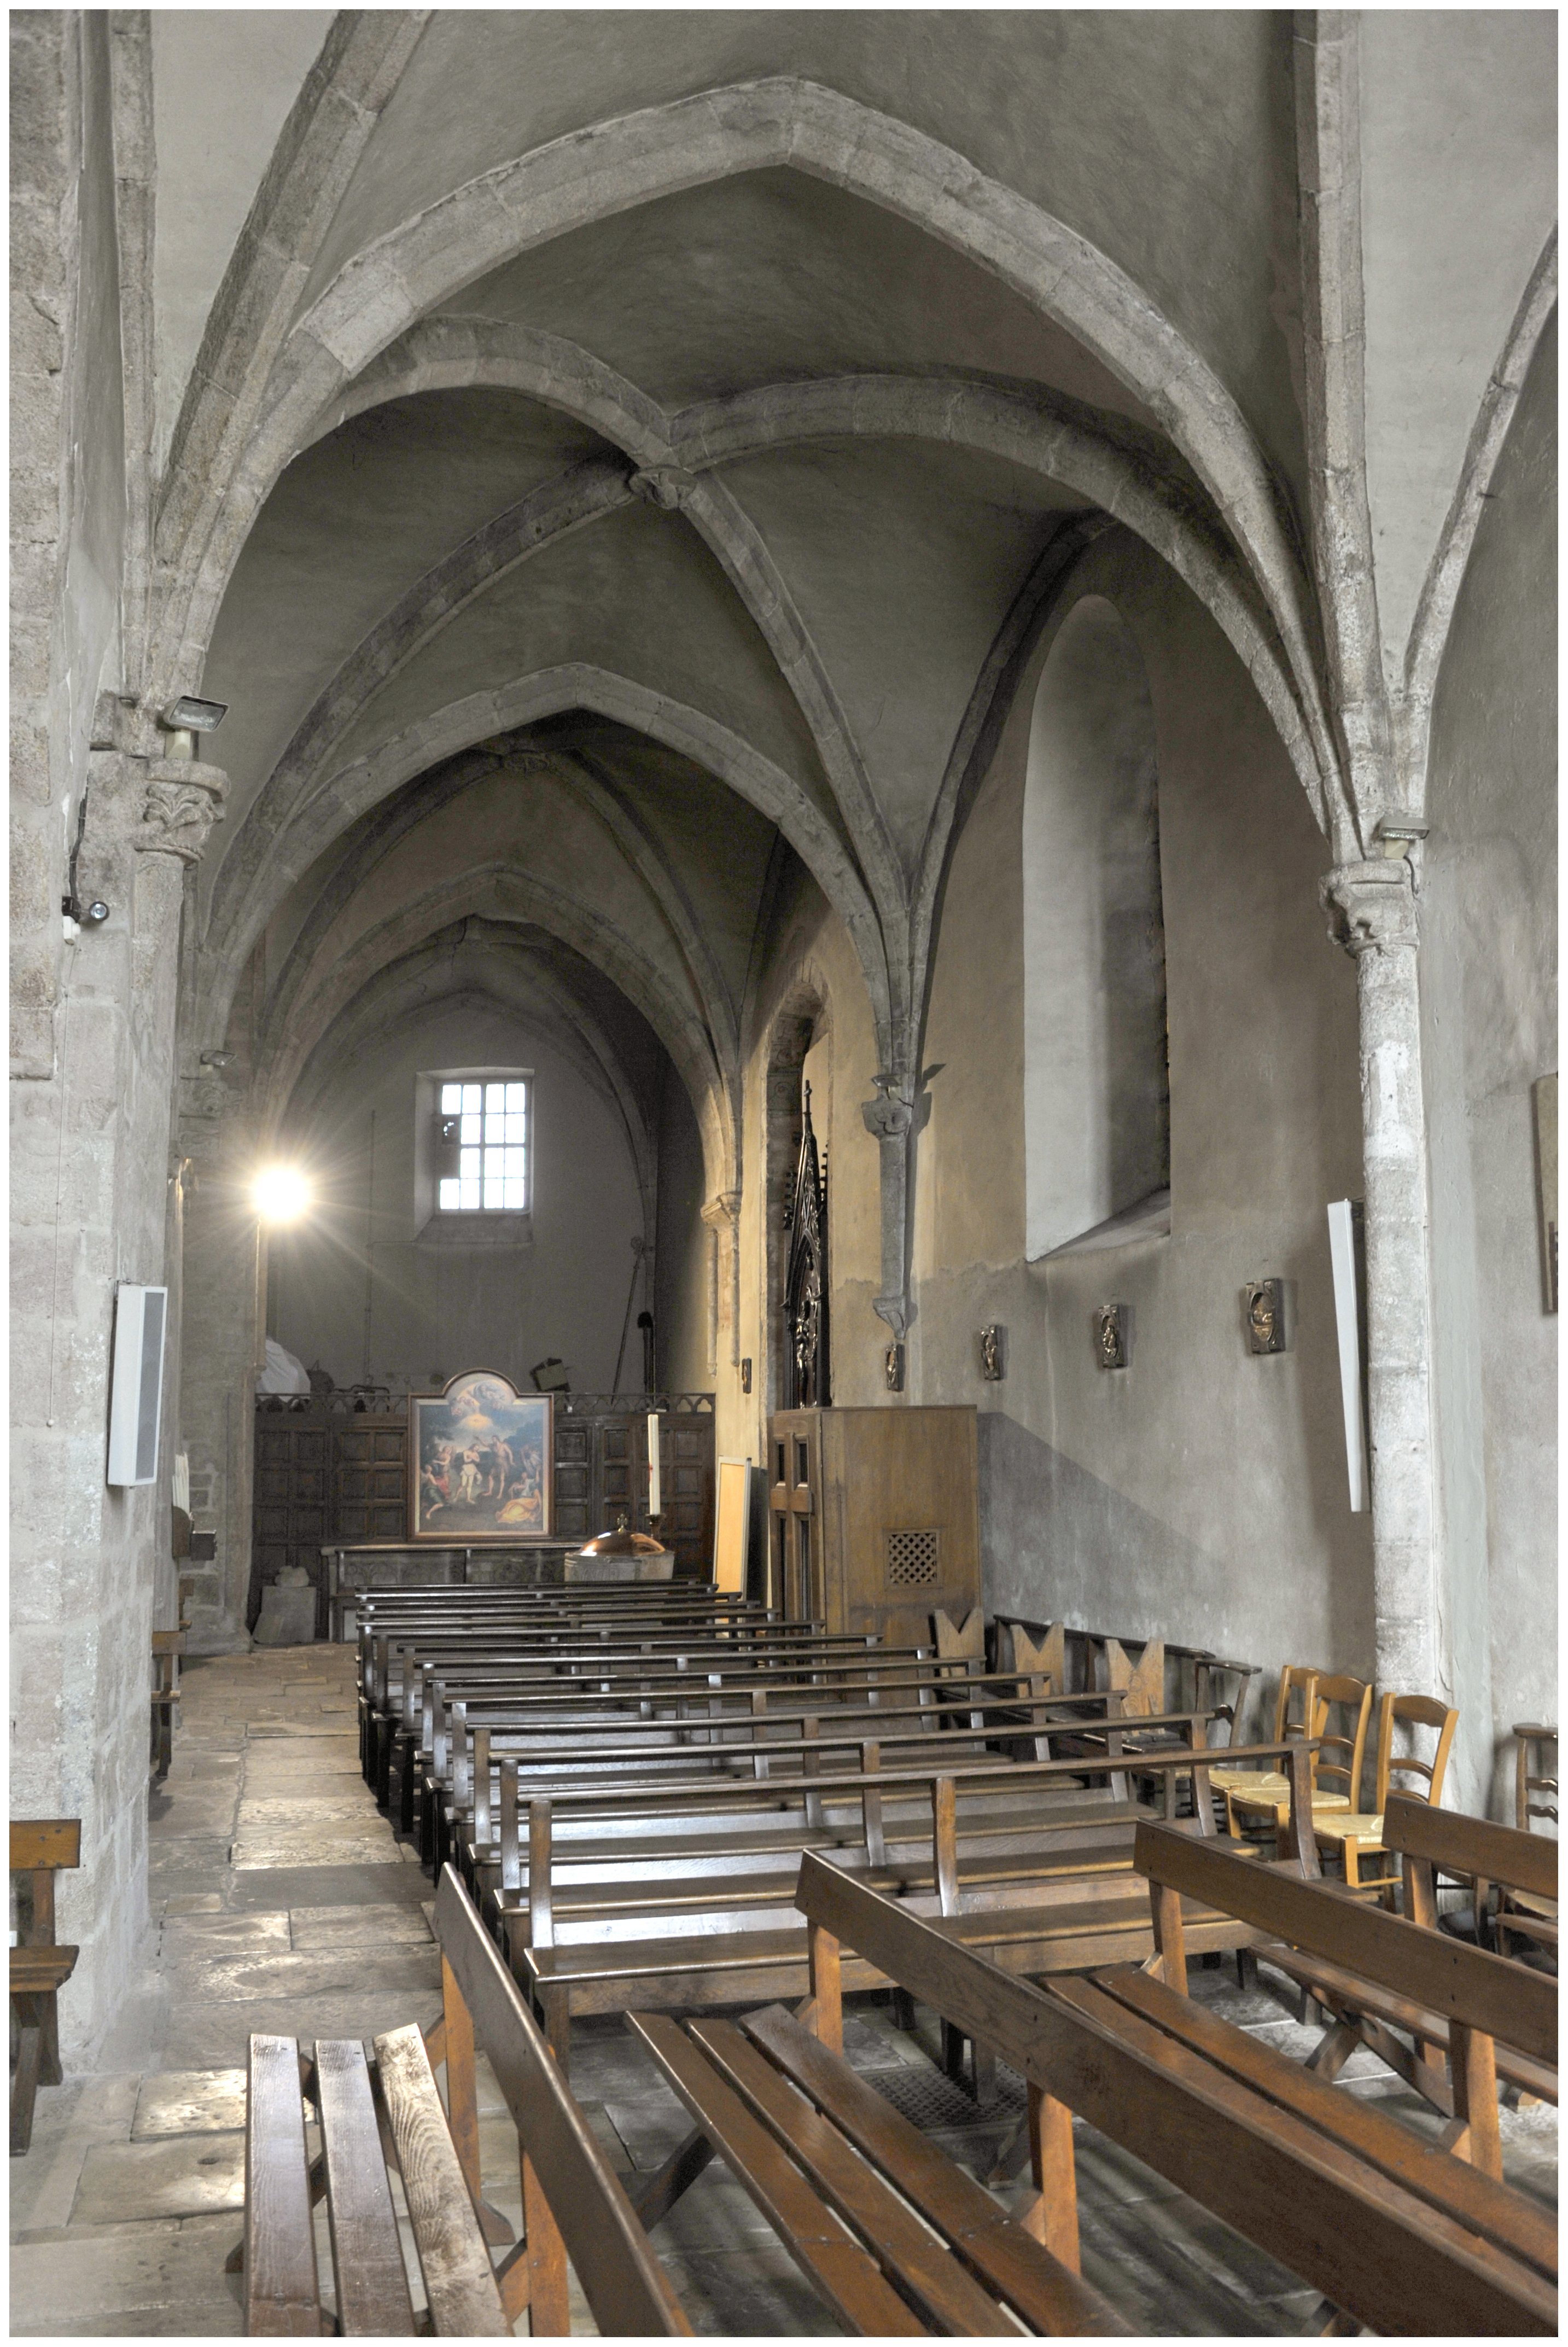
(912, 1558)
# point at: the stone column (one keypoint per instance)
(1372, 913)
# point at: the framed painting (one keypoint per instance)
(479, 1462)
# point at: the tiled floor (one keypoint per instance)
(282, 1901)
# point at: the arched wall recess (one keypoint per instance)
(1096, 1081)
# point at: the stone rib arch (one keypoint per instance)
(1125, 479)
(285, 859)
(785, 121)
(501, 894)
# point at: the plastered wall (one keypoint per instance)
(435, 1309)
(1489, 981)
(1200, 1492)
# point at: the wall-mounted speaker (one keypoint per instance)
(136, 1383)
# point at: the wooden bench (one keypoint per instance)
(388, 2114)
(1377, 1972)
(639, 1952)
(1394, 2233)
(40, 1967)
(168, 1646)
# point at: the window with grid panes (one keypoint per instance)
(492, 1146)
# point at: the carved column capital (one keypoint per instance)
(723, 1211)
(1371, 907)
(184, 799)
(891, 1114)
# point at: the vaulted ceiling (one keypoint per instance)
(626, 449)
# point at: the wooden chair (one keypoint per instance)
(39, 1967)
(574, 2204)
(1358, 1836)
(1521, 1913)
(1295, 1712)
(1340, 1753)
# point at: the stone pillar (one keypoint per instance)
(1372, 913)
(91, 1168)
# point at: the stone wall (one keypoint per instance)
(1202, 1491)
(1489, 979)
(92, 1065)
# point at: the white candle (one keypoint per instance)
(654, 1495)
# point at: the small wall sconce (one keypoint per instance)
(1265, 1305)
(746, 1374)
(1114, 1335)
(993, 1363)
(893, 1368)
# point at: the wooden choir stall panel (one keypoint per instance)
(323, 1474)
(875, 1517)
(601, 1470)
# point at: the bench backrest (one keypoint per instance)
(622, 2278)
(40, 1847)
(1472, 1846)
(1481, 1990)
(1227, 2149)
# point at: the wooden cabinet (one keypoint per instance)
(874, 1517)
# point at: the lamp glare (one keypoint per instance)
(282, 1193)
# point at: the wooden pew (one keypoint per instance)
(1033, 1918)
(372, 2115)
(40, 1967)
(1395, 2234)
(766, 1742)
(1377, 1972)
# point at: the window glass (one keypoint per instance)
(492, 1138)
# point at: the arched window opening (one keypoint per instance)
(1096, 1066)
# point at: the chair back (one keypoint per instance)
(1295, 1702)
(1537, 1751)
(1341, 1754)
(1413, 1711)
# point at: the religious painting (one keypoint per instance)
(480, 1456)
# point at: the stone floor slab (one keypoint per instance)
(189, 2102)
(181, 2176)
(357, 1927)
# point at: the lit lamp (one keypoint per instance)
(281, 1193)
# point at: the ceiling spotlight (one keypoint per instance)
(281, 1193)
(188, 715)
(218, 1058)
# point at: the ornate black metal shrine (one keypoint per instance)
(805, 1280)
